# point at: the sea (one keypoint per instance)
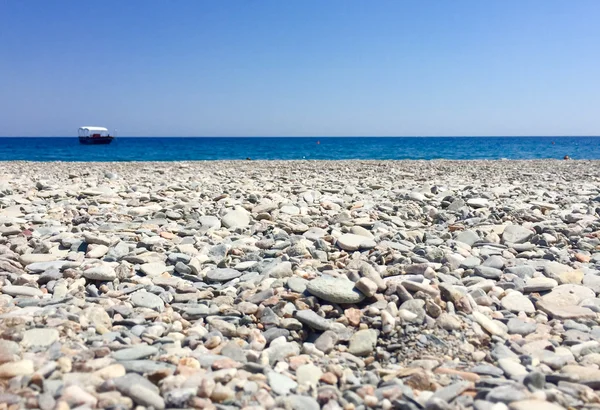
(299, 148)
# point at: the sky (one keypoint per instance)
(300, 67)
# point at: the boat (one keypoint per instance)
(95, 135)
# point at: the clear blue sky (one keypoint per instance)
(300, 67)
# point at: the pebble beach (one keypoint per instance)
(300, 285)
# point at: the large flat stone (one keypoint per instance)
(516, 234)
(516, 302)
(352, 242)
(568, 295)
(335, 290)
(39, 338)
(564, 312)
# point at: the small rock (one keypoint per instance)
(335, 290)
(516, 234)
(223, 274)
(534, 404)
(308, 374)
(21, 291)
(13, 369)
(492, 326)
(363, 342)
(513, 369)
(352, 242)
(147, 300)
(281, 384)
(516, 302)
(100, 273)
(366, 286)
(237, 218)
(310, 318)
(153, 268)
(39, 338)
(134, 353)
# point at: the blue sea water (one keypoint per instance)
(310, 148)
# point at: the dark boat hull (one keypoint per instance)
(95, 141)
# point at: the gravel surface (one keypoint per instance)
(300, 285)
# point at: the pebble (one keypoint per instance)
(300, 285)
(513, 369)
(534, 404)
(39, 338)
(326, 341)
(297, 285)
(153, 268)
(363, 342)
(468, 237)
(280, 383)
(76, 396)
(516, 234)
(223, 275)
(30, 258)
(352, 242)
(100, 273)
(520, 327)
(236, 218)
(516, 302)
(335, 290)
(134, 353)
(493, 327)
(308, 374)
(21, 291)
(313, 320)
(141, 391)
(540, 284)
(279, 270)
(297, 402)
(147, 300)
(18, 368)
(366, 286)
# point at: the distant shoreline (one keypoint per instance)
(350, 162)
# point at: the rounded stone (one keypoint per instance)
(147, 300)
(539, 284)
(516, 234)
(534, 404)
(39, 337)
(237, 218)
(516, 302)
(222, 274)
(153, 268)
(363, 342)
(352, 242)
(26, 291)
(102, 273)
(12, 369)
(98, 317)
(468, 237)
(297, 284)
(335, 290)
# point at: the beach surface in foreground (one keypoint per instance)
(300, 285)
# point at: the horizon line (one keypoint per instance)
(317, 136)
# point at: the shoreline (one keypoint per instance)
(291, 161)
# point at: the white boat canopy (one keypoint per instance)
(92, 129)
